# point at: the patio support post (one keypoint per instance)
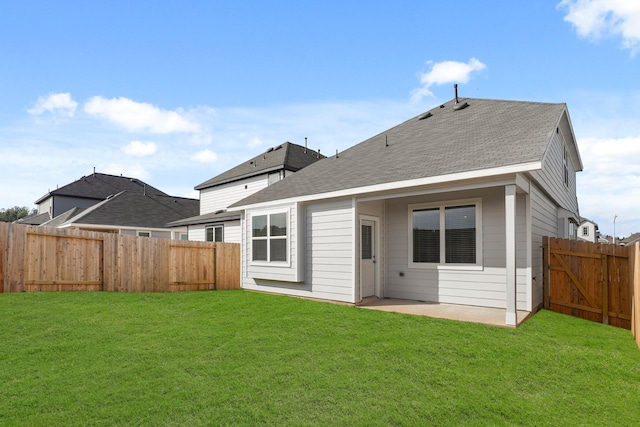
(510, 231)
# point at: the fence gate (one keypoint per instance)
(588, 280)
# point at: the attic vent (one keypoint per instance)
(270, 150)
(425, 116)
(218, 212)
(278, 147)
(460, 106)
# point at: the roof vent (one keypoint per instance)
(425, 116)
(218, 211)
(270, 150)
(458, 105)
(278, 147)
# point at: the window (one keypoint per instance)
(566, 167)
(585, 231)
(445, 234)
(144, 234)
(214, 233)
(269, 237)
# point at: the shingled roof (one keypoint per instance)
(445, 140)
(287, 156)
(99, 186)
(135, 209)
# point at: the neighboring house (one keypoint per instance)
(588, 230)
(450, 206)
(631, 240)
(87, 191)
(130, 213)
(115, 204)
(215, 222)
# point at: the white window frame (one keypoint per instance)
(213, 227)
(478, 265)
(585, 230)
(268, 238)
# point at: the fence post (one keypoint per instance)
(604, 271)
(546, 287)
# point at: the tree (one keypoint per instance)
(15, 213)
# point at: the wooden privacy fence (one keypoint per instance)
(53, 259)
(593, 281)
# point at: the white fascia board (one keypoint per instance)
(99, 227)
(396, 185)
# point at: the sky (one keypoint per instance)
(176, 92)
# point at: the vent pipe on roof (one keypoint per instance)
(457, 105)
(337, 153)
(318, 153)
(305, 145)
(386, 140)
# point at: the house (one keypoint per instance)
(450, 206)
(115, 204)
(588, 230)
(130, 213)
(215, 222)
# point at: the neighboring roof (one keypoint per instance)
(35, 219)
(63, 217)
(135, 209)
(486, 134)
(635, 237)
(288, 156)
(208, 218)
(99, 186)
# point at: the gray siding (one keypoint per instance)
(327, 253)
(61, 204)
(551, 177)
(544, 222)
(481, 287)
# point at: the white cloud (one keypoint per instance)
(139, 148)
(445, 72)
(205, 156)
(131, 171)
(139, 116)
(605, 18)
(610, 182)
(254, 142)
(57, 103)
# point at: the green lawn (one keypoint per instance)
(241, 358)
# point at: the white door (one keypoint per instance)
(367, 259)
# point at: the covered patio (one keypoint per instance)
(463, 313)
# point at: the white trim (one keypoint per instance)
(440, 179)
(355, 236)
(376, 253)
(478, 265)
(510, 245)
(529, 271)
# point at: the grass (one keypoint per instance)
(241, 358)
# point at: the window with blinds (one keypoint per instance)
(444, 234)
(460, 235)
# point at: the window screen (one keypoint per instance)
(426, 235)
(460, 235)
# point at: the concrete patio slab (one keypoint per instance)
(463, 313)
